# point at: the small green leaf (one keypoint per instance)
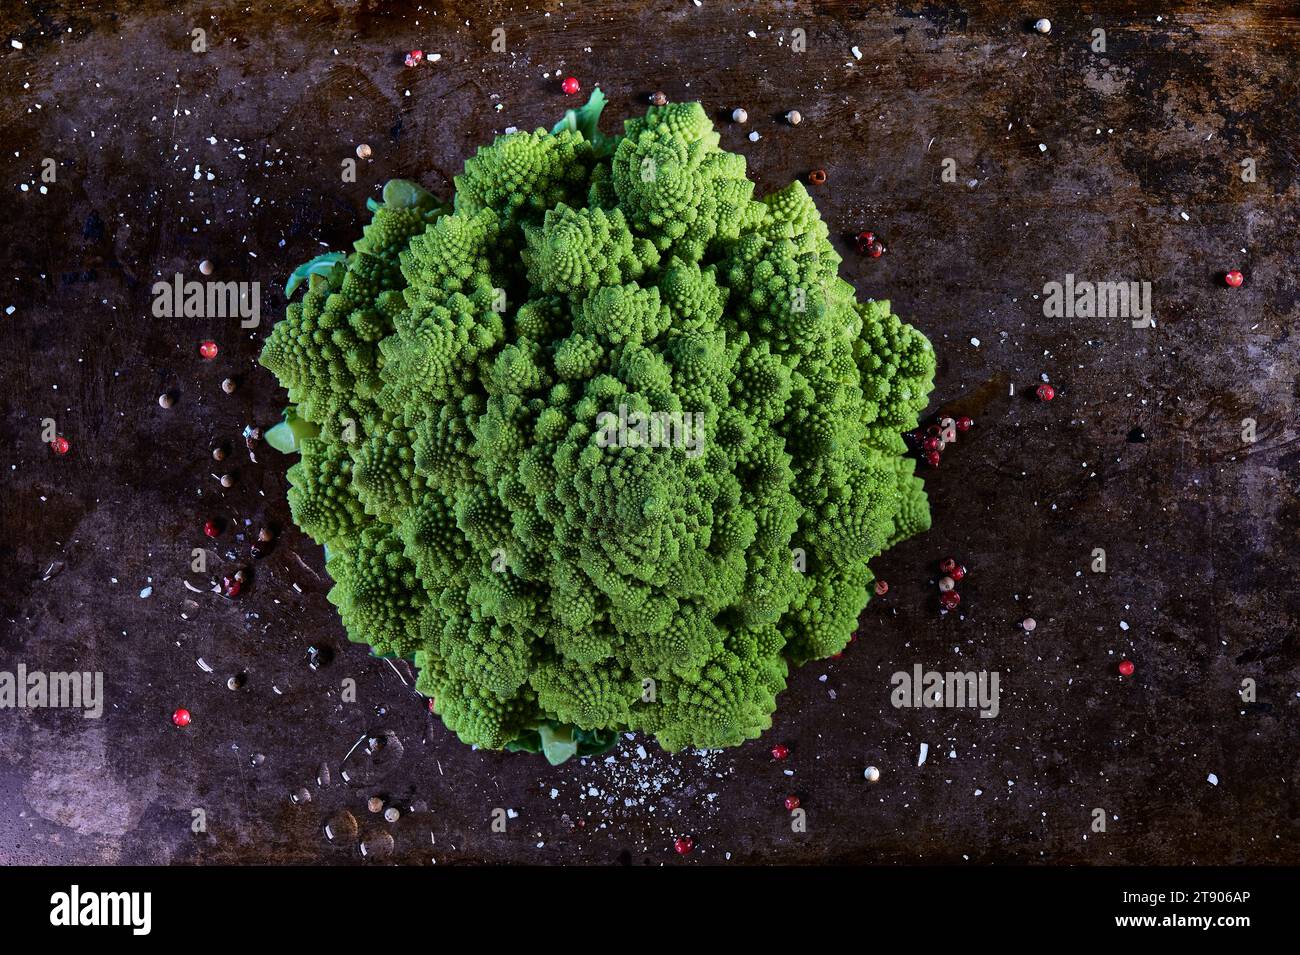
(321, 265)
(529, 741)
(287, 436)
(558, 743)
(585, 120)
(404, 194)
(595, 742)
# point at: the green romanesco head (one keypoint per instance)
(605, 444)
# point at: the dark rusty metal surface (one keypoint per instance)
(166, 157)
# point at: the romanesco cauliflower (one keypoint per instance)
(606, 444)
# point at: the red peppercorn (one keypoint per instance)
(876, 250)
(181, 717)
(791, 803)
(958, 572)
(1126, 668)
(947, 566)
(414, 57)
(932, 458)
(211, 529)
(1045, 392)
(931, 444)
(570, 85)
(1234, 279)
(683, 844)
(965, 422)
(817, 177)
(780, 751)
(60, 445)
(208, 350)
(882, 588)
(863, 242)
(950, 600)
(230, 586)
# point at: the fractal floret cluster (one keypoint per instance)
(606, 444)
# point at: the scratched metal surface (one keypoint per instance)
(166, 157)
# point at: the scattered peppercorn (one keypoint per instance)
(683, 845)
(1043, 25)
(392, 814)
(181, 717)
(876, 250)
(958, 572)
(235, 682)
(882, 588)
(208, 350)
(871, 774)
(227, 480)
(950, 600)
(965, 423)
(414, 57)
(1234, 279)
(791, 803)
(862, 241)
(1045, 392)
(230, 587)
(211, 528)
(374, 804)
(264, 535)
(364, 151)
(1029, 623)
(946, 584)
(932, 458)
(1126, 668)
(659, 98)
(218, 453)
(60, 445)
(932, 444)
(206, 266)
(228, 386)
(947, 565)
(817, 177)
(570, 85)
(780, 751)
(739, 115)
(794, 117)
(165, 400)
